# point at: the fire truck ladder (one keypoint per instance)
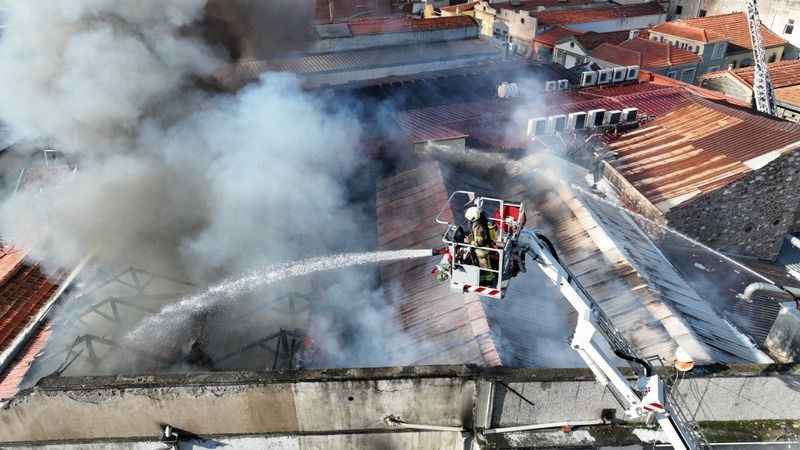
(763, 93)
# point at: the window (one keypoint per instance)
(701, 13)
(713, 68)
(678, 10)
(719, 50)
(522, 20)
(789, 27)
(673, 74)
(773, 57)
(688, 75)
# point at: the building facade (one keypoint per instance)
(710, 46)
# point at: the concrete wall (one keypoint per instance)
(391, 39)
(518, 27)
(751, 216)
(346, 408)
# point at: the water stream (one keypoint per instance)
(160, 323)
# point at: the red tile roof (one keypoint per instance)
(597, 14)
(617, 55)
(461, 7)
(659, 55)
(591, 40)
(782, 73)
(11, 380)
(24, 291)
(534, 5)
(405, 24)
(554, 35)
(697, 148)
(735, 29)
(684, 30)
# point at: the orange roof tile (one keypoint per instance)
(405, 24)
(592, 39)
(782, 73)
(11, 380)
(790, 95)
(554, 35)
(617, 55)
(687, 31)
(735, 29)
(656, 55)
(597, 14)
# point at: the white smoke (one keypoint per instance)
(235, 182)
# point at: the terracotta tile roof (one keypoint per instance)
(405, 24)
(24, 291)
(684, 30)
(790, 95)
(597, 14)
(697, 148)
(656, 55)
(783, 73)
(735, 29)
(11, 380)
(554, 35)
(591, 40)
(617, 55)
(461, 7)
(534, 5)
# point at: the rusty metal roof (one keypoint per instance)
(697, 148)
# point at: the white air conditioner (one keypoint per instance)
(588, 78)
(557, 124)
(604, 76)
(563, 85)
(550, 86)
(613, 117)
(595, 118)
(508, 90)
(537, 127)
(576, 121)
(630, 115)
(633, 73)
(619, 74)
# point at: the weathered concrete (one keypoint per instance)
(346, 408)
(783, 340)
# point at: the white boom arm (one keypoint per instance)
(649, 398)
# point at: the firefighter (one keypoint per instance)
(483, 233)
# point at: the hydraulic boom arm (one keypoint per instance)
(648, 397)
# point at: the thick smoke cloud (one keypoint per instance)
(234, 182)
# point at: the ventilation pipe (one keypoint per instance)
(752, 288)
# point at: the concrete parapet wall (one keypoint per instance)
(356, 401)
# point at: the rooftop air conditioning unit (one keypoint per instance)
(633, 73)
(508, 90)
(630, 115)
(576, 121)
(563, 85)
(557, 124)
(595, 118)
(550, 86)
(604, 76)
(619, 74)
(537, 127)
(613, 117)
(588, 78)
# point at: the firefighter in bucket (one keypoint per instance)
(483, 233)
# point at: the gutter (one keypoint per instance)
(8, 355)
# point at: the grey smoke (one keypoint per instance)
(234, 182)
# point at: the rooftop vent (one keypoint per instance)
(508, 90)
(537, 127)
(576, 121)
(613, 117)
(595, 118)
(604, 76)
(550, 86)
(619, 74)
(630, 115)
(563, 85)
(633, 73)
(557, 124)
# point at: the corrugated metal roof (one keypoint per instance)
(636, 286)
(697, 148)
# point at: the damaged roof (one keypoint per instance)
(641, 292)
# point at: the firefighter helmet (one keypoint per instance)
(472, 214)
